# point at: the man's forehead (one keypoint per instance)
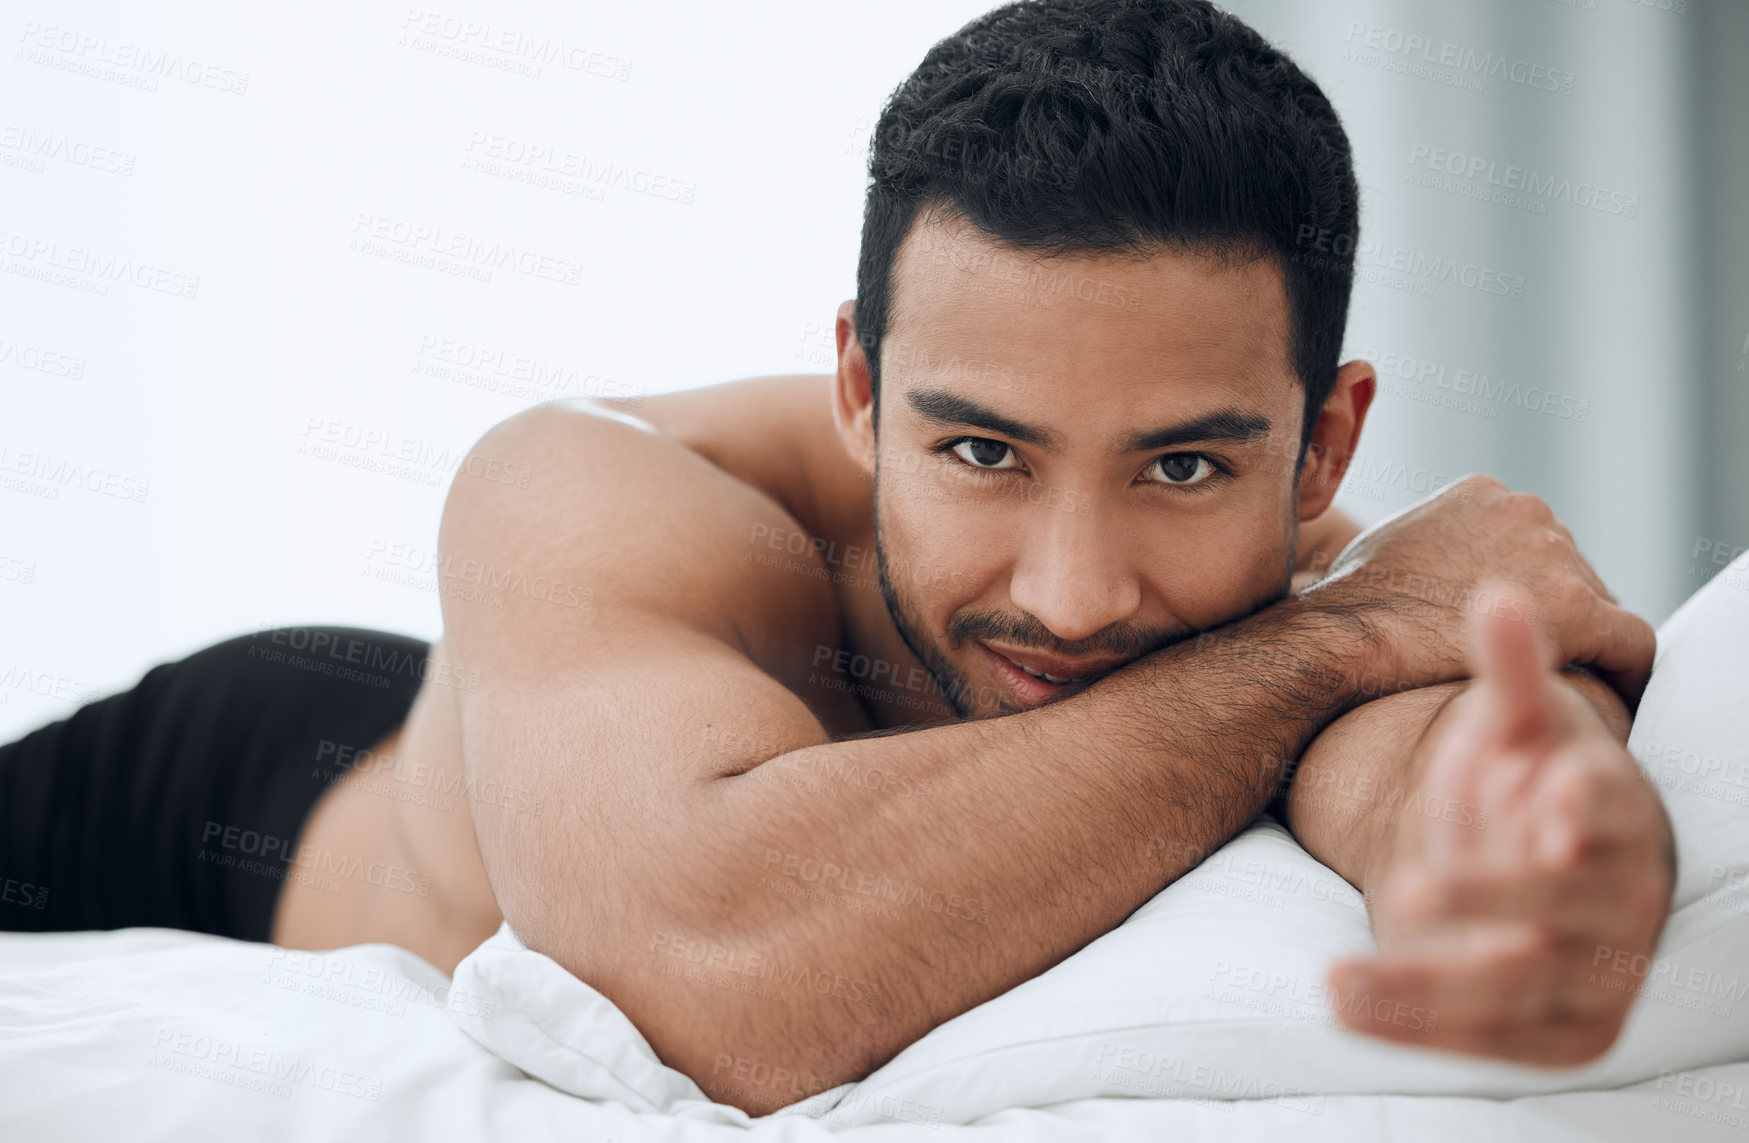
(973, 313)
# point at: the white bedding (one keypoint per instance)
(148, 1034)
(1202, 1014)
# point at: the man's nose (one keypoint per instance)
(1073, 572)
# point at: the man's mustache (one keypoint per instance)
(1124, 641)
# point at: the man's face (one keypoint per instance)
(1080, 459)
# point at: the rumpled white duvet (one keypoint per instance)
(1203, 1015)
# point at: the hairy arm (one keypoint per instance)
(759, 899)
(753, 922)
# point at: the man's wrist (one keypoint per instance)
(1375, 662)
(1353, 631)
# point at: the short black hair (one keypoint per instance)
(1061, 126)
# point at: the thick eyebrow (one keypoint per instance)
(951, 410)
(1229, 425)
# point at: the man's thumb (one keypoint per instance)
(1509, 656)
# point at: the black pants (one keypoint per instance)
(178, 804)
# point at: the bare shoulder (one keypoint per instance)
(579, 517)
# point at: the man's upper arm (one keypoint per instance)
(618, 671)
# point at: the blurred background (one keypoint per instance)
(268, 275)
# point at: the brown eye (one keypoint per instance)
(981, 452)
(1182, 469)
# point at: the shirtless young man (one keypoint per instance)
(1111, 423)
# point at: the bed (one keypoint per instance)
(1202, 1016)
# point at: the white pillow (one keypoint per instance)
(1215, 988)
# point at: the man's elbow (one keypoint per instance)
(757, 1061)
(761, 1082)
(756, 1025)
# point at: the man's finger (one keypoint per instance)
(1484, 987)
(1559, 1044)
(1478, 976)
(1510, 660)
(1585, 569)
(1619, 646)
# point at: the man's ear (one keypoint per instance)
(1335, 436)
(853, 393)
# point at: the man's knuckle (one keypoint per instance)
(1476, 485)
(1530, 505)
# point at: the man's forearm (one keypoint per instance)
(1361, 775)
(1056, 823)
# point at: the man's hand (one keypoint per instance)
(1418, 572)
(1493, 917)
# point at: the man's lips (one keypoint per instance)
(1060, 668)
(1029, 689)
